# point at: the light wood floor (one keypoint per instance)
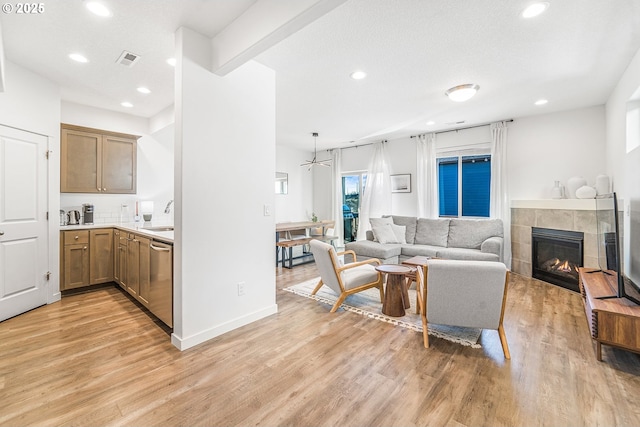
(97, 359)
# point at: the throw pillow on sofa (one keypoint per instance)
(389, 233)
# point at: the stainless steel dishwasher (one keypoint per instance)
(161, 277)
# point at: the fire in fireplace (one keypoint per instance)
(556, 256)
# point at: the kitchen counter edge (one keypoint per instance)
(164, 236)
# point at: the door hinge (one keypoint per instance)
(47, 215)
(48, 275)
(48, 153)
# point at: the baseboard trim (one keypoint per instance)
(185, 343)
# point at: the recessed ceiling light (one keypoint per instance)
(98, 8)
(358, 75)
(431, 123)
(541, 102)
(171, 61)
(78, 58)
(462, 93)
(144, 90)
(535, 9)
(126, 104)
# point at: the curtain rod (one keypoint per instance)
(415, 136)
(464, 128)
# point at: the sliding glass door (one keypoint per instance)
(353, 184)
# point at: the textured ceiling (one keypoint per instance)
(412, 51)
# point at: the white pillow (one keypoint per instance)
(377, 222)
(401, 233)
(384, 234)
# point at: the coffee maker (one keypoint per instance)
(87, 213)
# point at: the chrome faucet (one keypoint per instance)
(168, 208)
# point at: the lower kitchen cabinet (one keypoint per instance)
(87, 258)
(100, 255)
(140, 265)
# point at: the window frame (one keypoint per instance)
(479, 150)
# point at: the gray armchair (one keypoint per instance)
(464, 293)
(346, 279)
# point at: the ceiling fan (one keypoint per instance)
(314, 162)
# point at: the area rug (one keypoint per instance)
(367, 303)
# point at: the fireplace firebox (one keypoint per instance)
(556, 256)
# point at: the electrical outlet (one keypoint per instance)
(241, 288)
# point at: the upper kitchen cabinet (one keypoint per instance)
(97, 161)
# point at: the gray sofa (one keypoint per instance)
(461, 239)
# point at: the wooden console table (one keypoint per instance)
(615, 321)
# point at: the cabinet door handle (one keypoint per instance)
(84, 249)
(1, 233)
(76, 237)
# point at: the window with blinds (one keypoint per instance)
(464, 184)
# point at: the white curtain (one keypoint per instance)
(376, 200)
(336, 196)
(427, 184)
(500, 206)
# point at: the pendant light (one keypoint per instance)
(314, 162)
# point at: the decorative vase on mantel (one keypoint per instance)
(557, 192)
(573, 184)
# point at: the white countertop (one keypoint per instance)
(137, 227)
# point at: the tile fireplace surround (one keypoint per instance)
(562, 214)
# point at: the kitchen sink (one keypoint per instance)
(159, 228)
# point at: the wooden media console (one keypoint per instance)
(614, 321)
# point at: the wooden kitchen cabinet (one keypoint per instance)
(75, 261)
(100, 255)
(133, 265)
(120, 258)
(97, 161)
(144, 270)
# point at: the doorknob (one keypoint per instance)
(1, 233)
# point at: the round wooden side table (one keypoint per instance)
(396, 296)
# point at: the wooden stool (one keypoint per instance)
(396, 295)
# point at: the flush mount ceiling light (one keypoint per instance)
(462, 93)
(541, 102)
(98, 8)
(358, 75)
(171, 61)
(314, 162)
(126, 104)
(535, 9)
(78, 58)
(430, 123)
(144, 90)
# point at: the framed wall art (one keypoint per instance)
(401, 183)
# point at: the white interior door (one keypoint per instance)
(23, 223)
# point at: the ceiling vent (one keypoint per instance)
(127, 58)
(461, 122)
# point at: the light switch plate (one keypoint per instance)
(267, 210)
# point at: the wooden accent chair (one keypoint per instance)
(346, 279)
(463, 293)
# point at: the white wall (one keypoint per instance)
(541, 149)
(32, 103)
(154, 164)
(623, 158)
(297, 204)
(224, 176)
(545, 148)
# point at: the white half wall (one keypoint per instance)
(224, 176)
(32, 103)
